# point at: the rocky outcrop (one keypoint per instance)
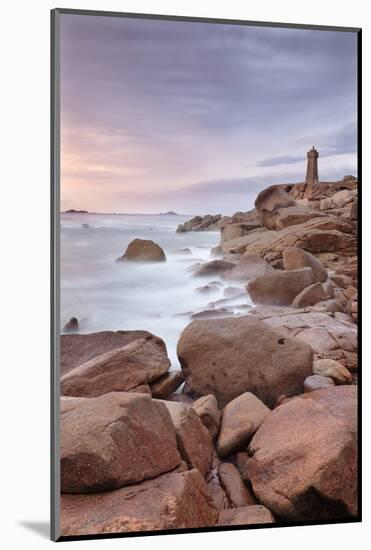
(241, 418)
(303, 452)
(228, 357)
(246, 515)
(200, 223)
(327, 234)
(171, 501)
(279, 287)
(142, 250)
(77, 349)
(123, 369)
(114, 440)
(269, 201)
(297, 258)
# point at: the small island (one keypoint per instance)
(73, 211)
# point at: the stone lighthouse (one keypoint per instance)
(312, 166)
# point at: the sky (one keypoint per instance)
(197, 117)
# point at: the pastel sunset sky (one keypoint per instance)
(196, 117)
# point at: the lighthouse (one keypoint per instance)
(312, 166)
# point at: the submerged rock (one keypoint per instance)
(142, 250)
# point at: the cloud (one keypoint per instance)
(158, 105)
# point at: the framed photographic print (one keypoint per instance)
(206, 191)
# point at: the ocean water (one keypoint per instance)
(105, 295)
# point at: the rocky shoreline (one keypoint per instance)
(259, 426)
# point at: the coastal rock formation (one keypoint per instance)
(327, 234)
(114, 440)
(269, 201)
(303, 452)
(246, 515)
(279, 287)
(142, 250)
(122, 369)
(240, 420)
(77, 349)
(228, 357)
(200, 223)
(296, 258)
(171, 501)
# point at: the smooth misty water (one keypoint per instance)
(105, 295)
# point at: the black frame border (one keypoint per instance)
(55, 267)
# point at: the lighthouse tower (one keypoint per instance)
(312, 166)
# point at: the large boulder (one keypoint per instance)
(296, 258)
(249, 267)
(228, 357)
(77, 349)
(269, 201)
(143, 250)
(303, 463)
(171, 501)
(122, 369)
(241, 418)
(114, 440)
(193, 438)
(279, 287)
(246, 515)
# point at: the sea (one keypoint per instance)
(108, 295)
